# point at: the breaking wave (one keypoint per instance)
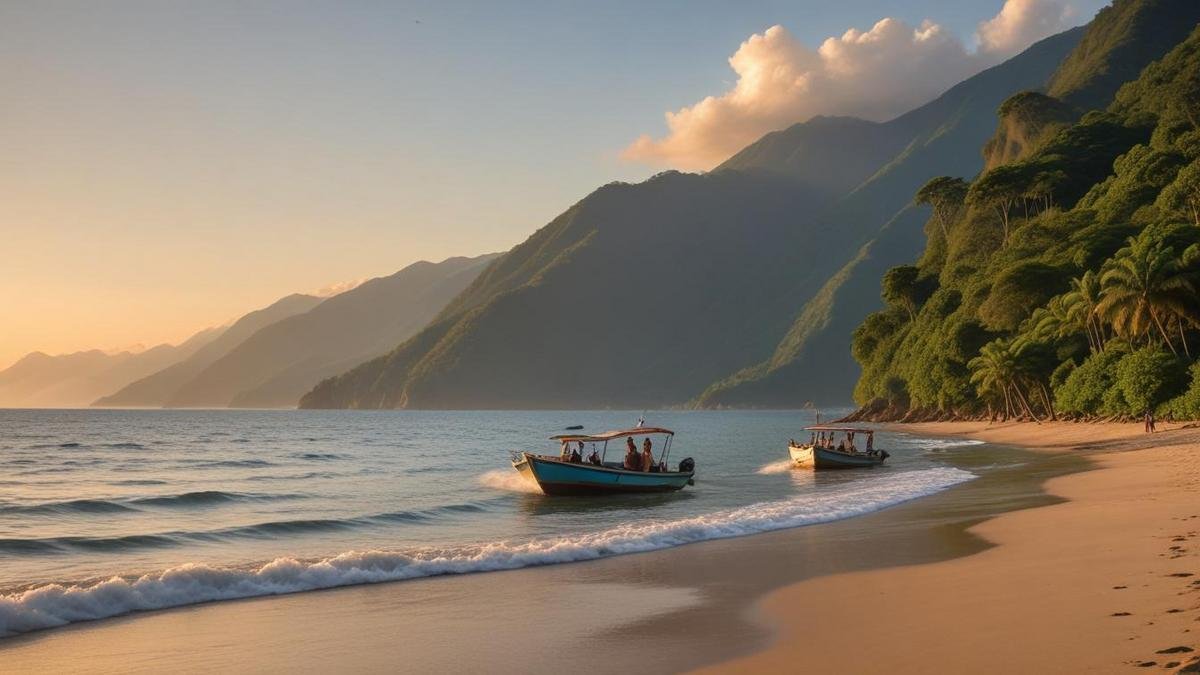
(57, 605)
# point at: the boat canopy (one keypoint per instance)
(609, 435)
(857, 430)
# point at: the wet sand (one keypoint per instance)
(1106, 581)
(664, 611)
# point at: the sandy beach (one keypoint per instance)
(1103, 582)
(1045, 566)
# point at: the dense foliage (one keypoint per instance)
(1064, 282)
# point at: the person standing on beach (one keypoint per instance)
(1148, 421)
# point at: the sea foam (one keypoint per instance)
(778, 466)
(507, 479)
(57, 605)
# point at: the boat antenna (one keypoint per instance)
(809, 406)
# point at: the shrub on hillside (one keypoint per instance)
(1148, 377)
(1186, 406)
(1084, 389)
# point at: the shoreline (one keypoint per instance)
(701, 599)
(1104, 580)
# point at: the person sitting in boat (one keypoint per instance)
(841, 446)
(594, 458)
(564, 453)
(633, 461)
(647, 455)
(576, 455)
(870, 444)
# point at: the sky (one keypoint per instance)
(167, 166)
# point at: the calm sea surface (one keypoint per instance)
(107, 512)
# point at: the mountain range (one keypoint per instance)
(739, 287)
(39, 380)
(270, 357)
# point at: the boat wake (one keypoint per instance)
(57, 605)
(780, 466)
(507, 479)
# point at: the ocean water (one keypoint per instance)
(104, 513)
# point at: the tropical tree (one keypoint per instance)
(1183, 194)
(946, 195)
(1000, 189)
(1042, 188)
(995, 374)
(1143, 285)
(1081, 303)
(902, 287)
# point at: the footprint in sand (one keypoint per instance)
(1119, 588)
(1181, 575)
(1175, 650)
(1121, 614)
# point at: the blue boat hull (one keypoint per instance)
(556, 477)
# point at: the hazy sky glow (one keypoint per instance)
(170, 165)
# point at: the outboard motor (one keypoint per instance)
(687, 465)
(883, 455)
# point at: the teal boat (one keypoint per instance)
(582, 470)
(821, 452)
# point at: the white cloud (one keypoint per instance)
(875, 74)
(1020, 23)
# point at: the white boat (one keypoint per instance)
(834, 448)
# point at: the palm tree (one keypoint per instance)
(1081, 302)
(994, 373)
(1143, 285)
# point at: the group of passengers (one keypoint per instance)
(825, 440)
(634, 460)
(573, 453)
(643, 461)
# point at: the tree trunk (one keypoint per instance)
(1162, 331)
(1049, 401)
(1183, 338)
(1024, 402)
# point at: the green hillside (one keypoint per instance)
(1122, 40)
(873, 228)
(1066, 281)
(644, 295)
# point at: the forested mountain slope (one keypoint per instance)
(1065, 282)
